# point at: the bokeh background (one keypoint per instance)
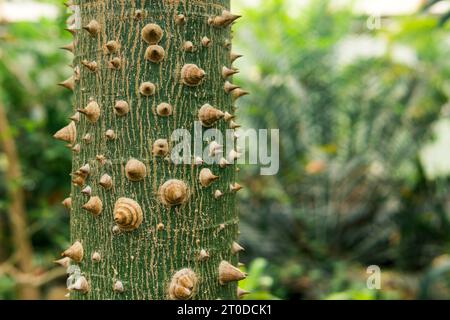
(360, 92)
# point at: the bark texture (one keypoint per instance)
(142, 263)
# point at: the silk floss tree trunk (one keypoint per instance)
(142, 225)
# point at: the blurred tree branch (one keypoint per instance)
(16, 212)
(430, 3)
(427, 4)
(28, 279)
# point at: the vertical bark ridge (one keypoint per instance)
(146, 259)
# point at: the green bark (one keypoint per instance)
(146, 259)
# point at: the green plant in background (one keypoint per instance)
(352, 190)
(29, 68)
(352, 123)
(258, 284)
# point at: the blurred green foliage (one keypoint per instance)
(258, 283)
(30, 67)
(352, 190)
(354, 107)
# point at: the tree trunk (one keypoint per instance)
(139, 76)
